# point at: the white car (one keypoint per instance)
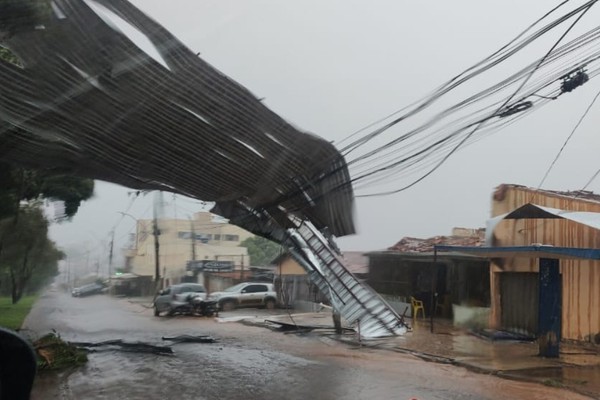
(248, 294)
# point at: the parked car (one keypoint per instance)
(248, 294)
(174, 296)
(88, 290)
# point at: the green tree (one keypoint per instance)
(27, 251)
(261, 251)
(18, 16)
(19, 184)
(27, 256)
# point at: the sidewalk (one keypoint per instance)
(577, 369)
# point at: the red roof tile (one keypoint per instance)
(417, 245)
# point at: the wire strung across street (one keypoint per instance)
(425, 146)
(203, 110)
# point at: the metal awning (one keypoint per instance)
(551, 252)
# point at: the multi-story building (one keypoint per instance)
(203, 237)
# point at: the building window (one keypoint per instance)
(184, 235)
(232, 238)
(217, 236)
(201, 237)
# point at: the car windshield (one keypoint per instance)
(235, 288)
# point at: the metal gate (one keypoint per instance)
(519, 297)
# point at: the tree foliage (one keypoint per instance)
(27, 256)
(261, 251)
(20, 184)
(18, 16)
(27, 252)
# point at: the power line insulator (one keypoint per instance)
(573, 80)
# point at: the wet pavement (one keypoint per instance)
(249, 362)
(577, 369)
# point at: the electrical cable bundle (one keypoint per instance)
(96, 88)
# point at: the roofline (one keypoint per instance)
(552, 193)
(428, 255)
(551, 252)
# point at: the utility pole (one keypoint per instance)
(156, 233)
(193, 239)
(242, 274)
(110, 255)
(68, 272)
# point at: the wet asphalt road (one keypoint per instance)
(247, 362)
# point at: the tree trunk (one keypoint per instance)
(13, 285)
(18, 283)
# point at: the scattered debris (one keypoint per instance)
(235, 319)
(498, 335)
(289, 327)
(191, 339)
(56, 354)
(118, 344)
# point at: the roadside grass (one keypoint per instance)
(12, 316)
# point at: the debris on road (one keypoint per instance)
(295, 328)
(235, 318)
(191, 339)
(118, 344)
(494, 335)
(56, 354)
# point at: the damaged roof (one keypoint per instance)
(418, 245)
(501, 190)
(354, 261)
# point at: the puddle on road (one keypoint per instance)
(585, 379)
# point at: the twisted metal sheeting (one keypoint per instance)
(89, 101)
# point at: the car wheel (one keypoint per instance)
(227, 305)
(156, 312)
(270, 304)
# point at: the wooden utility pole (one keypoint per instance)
(156, 233)
(110, 255)
(242, 274)
(193, 239)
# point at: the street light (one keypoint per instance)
(127, 215)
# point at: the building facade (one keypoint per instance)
(407, 270)
(514, 282)
(203, 237)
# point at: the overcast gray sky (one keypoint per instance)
(333, 66)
